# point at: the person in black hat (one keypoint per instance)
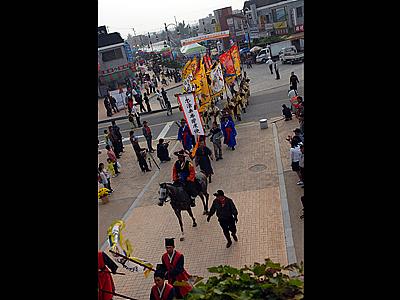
(185, 136)
(161, 290)
(184, 173)
(173, 262)
(227, 215)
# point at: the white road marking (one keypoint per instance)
(165, 130)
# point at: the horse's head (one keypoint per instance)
(163, 193)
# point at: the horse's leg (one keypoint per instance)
(191, 215)
(204, 203)
(207, 197)
(179, 215)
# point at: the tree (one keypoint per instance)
(267, 281)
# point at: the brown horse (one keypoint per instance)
(180, 200)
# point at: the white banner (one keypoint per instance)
(119, 97)
(217, 79)
(206, 37)
(187, 84)
(192, 116)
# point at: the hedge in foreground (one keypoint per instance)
(267, 281)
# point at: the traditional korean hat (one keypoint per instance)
(169, 242)
(180, 153)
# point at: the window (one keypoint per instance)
(267, 18)
(112, 55)
(279, 14)
(299, 12)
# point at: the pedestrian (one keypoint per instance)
(140, 152)
(162, 150)
(166, 101)
(295, 155)
(185, 136)
(160, 99)
(117, 132)
(107, 138)
(286, 112)
(293, 80)
(269, 62)
(114, 140)
(146, 87)
(139, 100)
(105, 177)
(227, 215)
(216, 136)
(301, 164)
(107, 106)
(203, 157)
(229, 131)
(161, 290)
(174, 263)
(276, 68)
(136, 114)
(113, 103)
(106, 266)
(147, 135)
(111, 155)
(146, 100)
(292, 93)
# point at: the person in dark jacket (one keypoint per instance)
(118, 134)
(140, 152)
(227, 215)
(146, 100)
(293, 81)
(107, 106)
(162, 151)
(286, 112)
(113, 103)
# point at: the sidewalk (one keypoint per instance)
(248, 175)
(154, 104)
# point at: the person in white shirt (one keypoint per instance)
(292, 92)
(269, 62)
(295, 155)
(160, 99)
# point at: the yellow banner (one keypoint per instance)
(236, 59)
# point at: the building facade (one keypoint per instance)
(115, 61)
(207, 25)
(221, 17)
(274, 17)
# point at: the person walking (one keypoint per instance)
(162, 151)
(295, 155)
(136, 114)
(107, 106)
(146, 100)
(117, 132)
(269, 62)
(147, 135)
(227, 215)
(185, 136)
(174, 263)
(276, 68)
(229, 131)
(139, 100)
(216, 136)
(166, 101)
(113, 103)
(160, 99)
(114, 140)
(293, 81)
(202, 158)
(140, 152)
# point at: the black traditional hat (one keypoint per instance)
(219, 193)
(160, 271)
(169, 242)
(180, 153)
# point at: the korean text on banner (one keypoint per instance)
(192, 116)
(226, 60)
(236, 58)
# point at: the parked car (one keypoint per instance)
(290, 55)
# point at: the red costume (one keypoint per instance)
(176, 271)
(105, 281)
(166, 294)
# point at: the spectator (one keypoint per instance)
(276, 68)
(287, 113)
(111, 155)
(269, 62)
(301, 164)
(160, 99)
(113, 103)
(107, 106)
(162, 151)
(146, 100)
(140, 152)
(105, 177)
(139, 100)
(110, 167)
(295, 155)
(148, 136)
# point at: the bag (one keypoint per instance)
(118, 165)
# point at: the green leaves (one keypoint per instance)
(267, 281)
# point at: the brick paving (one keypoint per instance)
(250, 180)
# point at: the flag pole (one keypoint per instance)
(123, 256)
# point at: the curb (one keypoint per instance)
(141, 114)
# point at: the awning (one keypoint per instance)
(296, 36)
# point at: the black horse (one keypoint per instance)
(180, 200)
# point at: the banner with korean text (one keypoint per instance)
(189, 107)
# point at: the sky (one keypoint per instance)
(150, 15)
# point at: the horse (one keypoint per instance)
(180, 200)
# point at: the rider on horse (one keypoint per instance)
(184, 174)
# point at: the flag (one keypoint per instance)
(207, 62)
(234, 51)
(217, 80)
(120, 245)
(226, 60)
(189, 107)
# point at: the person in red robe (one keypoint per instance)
(106, 266)
(173, 262)
(161, 290)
